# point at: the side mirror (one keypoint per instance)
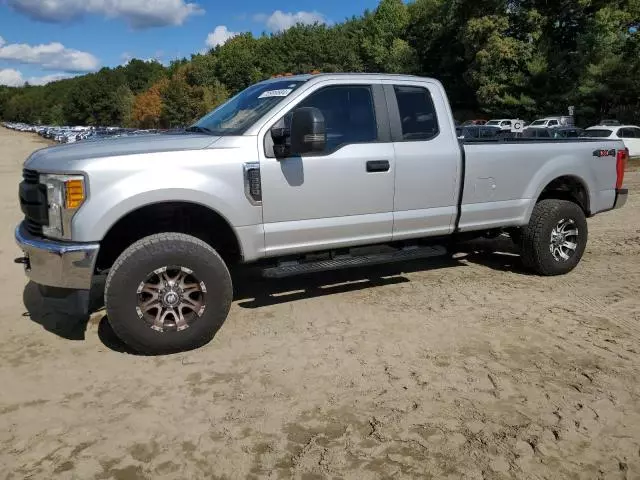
(281, 137)
(308, 131)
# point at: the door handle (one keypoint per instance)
(377, 166)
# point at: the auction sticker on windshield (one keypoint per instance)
(283, 92)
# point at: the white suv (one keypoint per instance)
(629, 134)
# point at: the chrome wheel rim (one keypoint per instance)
(171, 299)
(564, 240)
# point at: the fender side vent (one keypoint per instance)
(252, 183)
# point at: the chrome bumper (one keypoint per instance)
(57, 263)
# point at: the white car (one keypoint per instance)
(551, 122)
(629, 134)
(504, 123)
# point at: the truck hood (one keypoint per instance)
(62, 158)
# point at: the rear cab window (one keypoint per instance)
(418, 117)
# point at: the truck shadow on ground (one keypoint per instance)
(60, 316)
(252, 291)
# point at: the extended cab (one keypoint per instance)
(295, 175)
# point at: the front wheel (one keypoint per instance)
(166, 293)
(555, 239)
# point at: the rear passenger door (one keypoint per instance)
(427, 157)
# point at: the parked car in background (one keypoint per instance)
(552, 122)
(477, 131)
(610, 123)
(567, 132)
(474, 122)
(537, 132)
(504, 124)
(629, 134)
(69, 134)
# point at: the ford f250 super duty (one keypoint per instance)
(295, 175)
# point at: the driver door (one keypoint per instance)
(342, 196)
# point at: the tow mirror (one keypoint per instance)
(308, 131)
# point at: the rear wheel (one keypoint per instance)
(166, 293)
(555, 239)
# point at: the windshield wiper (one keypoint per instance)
(199, 129)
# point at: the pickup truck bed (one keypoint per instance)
(504, 178)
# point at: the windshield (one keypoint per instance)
(240, 112)
(537, 123)
(493, 122)
(597, 133)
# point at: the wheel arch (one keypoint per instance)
(569, 187)
(188, 217)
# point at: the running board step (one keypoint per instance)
(290, 269)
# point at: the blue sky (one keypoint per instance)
(44, 40)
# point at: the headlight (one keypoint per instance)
(65, 195)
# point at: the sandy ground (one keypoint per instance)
(469, 369)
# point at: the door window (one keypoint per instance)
(629, 133)
(348, 112)
(553, 123)
(417, 113)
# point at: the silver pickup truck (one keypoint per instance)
(296, 175)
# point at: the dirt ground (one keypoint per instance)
(465, 369)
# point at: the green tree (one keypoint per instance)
(177, 108)
(236, 62)
(497, 57)
(125, 99)
(384, 45)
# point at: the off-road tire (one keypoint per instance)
(536, 237)
(153, 252)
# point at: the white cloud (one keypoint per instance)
(220, 36)
(50, 56)
(11, 77)
(280, 21)
(137, 13)
(14, 78)
(54, 77)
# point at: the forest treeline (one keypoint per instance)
(507, 58)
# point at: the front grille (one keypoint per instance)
(30, 176)
(33, 201)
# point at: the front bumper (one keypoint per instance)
(57, 263)
(621, 197)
